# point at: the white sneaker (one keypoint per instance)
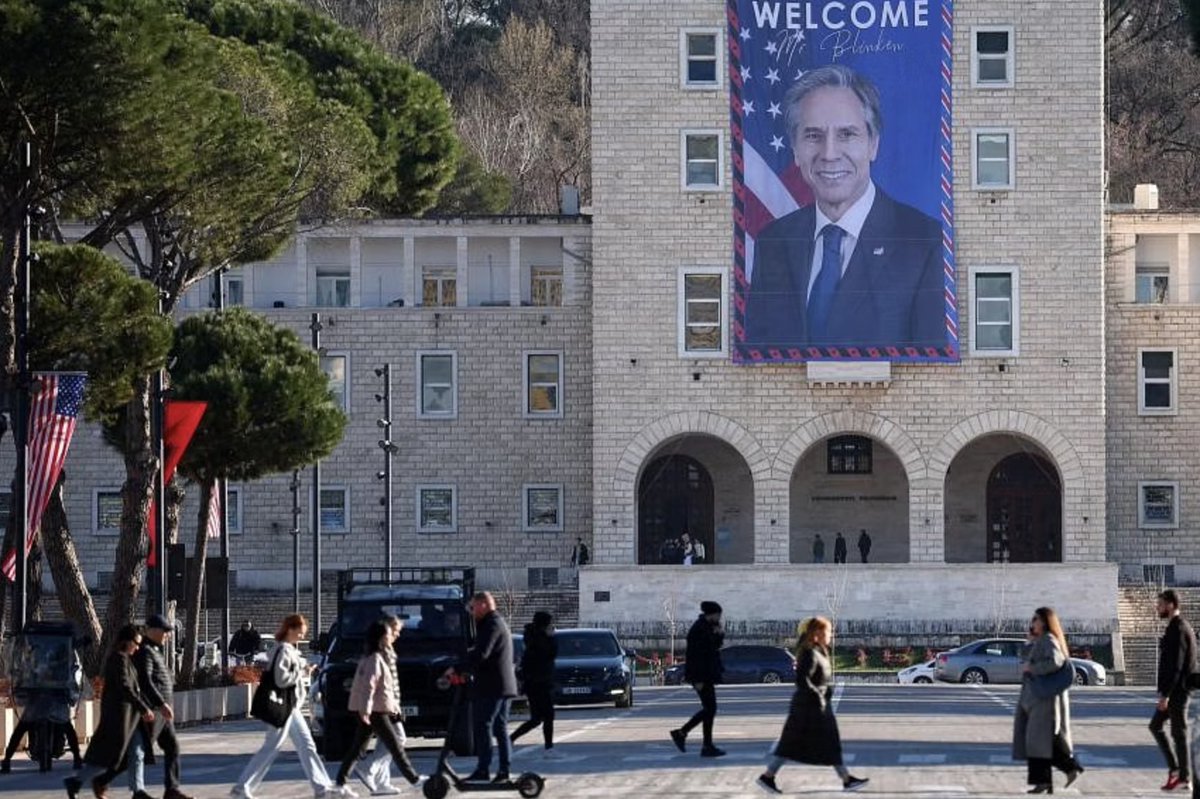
(336, 790)
(386, 790)
(551, 754)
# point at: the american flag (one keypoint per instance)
(55, 400)
(214, 510)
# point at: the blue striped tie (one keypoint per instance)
(820, 300)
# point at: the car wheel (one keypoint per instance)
(923, 681)
(1080, 677)
(771, 677)
(626, 699)
(975, 676)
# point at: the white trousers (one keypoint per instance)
(296, 728)
(377, 769)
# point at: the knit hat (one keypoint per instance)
(542, 619)
(708, 606)
(157, 621)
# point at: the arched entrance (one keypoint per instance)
(1003, 503)
(1024, 511)
(850, 484)
(700, 485)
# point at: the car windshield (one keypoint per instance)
(586, 645)
(426, 620)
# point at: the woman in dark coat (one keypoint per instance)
(537, 674)
(121, 709)
(810, 734)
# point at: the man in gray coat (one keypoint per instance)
(158, 687)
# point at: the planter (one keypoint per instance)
(8, 723)
(87, 716)
(212, 704)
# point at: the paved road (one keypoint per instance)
(912, 741)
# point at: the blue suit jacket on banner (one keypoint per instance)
(891, 294)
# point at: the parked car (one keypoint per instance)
(591, 667)
(745, 663)
(998, 660)
(920, 674)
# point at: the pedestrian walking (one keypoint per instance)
(864, 545)
(490, 659)
(1176, 664)
(375, 698)
(839, 549)
(703, 669)
(810, 734)
(818, 549)
(290, 671)
(122, 707)
(537, 676)
(158, 687)
(1042, 722)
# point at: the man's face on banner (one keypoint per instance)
(834, 148)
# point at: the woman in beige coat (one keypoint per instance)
(1042, 725)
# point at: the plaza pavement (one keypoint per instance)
(911, 741)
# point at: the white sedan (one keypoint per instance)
(920, 673)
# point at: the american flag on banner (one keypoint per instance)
(54, 403)
(214, 511)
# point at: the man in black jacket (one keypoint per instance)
(1176, 664)
(537, 677)
(491, 661)
(158, 688)
(703, 669)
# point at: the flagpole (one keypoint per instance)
(316, 504)
(20, 424)
(157, 425)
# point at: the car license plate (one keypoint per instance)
(577, 690)
(409, 710)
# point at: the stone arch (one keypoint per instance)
(1017, 423)
(862, 422)
(655, 434)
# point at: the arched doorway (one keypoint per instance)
(701, 485)
(852, 485)
(1024, 511)
(675, 495)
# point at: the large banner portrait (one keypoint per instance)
(843, 181)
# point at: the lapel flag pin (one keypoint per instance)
(879, 251)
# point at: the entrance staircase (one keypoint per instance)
(1140, 628)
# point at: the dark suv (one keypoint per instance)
(591, 668)
(746, 663)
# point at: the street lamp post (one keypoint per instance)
(222, 489)
(294, 485)
(389, 449)
(316, 328)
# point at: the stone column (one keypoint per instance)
(514, 271)
(462, 272)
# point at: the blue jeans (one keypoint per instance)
(490, 717)
(137, 756)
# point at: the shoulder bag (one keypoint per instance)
(272, 703)
(1048, 686)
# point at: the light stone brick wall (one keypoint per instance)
(906, 598)
(1153, 447)
(1051, 397)
(488, 452)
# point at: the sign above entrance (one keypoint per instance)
(843, 181)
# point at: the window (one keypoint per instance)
(335, 510)
(546, 285)
(992, 151)
(543, 384)
(542, 508)
(336, 368)
(437, 375)
(995, 311)
(700, 59)
(437, 509)
(439, 286)
(233, 509)
(1158, 504)
(106, 511)
(702, 311)
(703, 166)
(1156, 382)
(849, 455)
(235, 290)
(1151, 282)
(333, 290)
(992, 57)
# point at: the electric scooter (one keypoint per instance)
(528, 784)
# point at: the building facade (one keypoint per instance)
(957, 471)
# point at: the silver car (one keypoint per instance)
(998, 660)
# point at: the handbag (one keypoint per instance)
(1048, 686)
(272, 703)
